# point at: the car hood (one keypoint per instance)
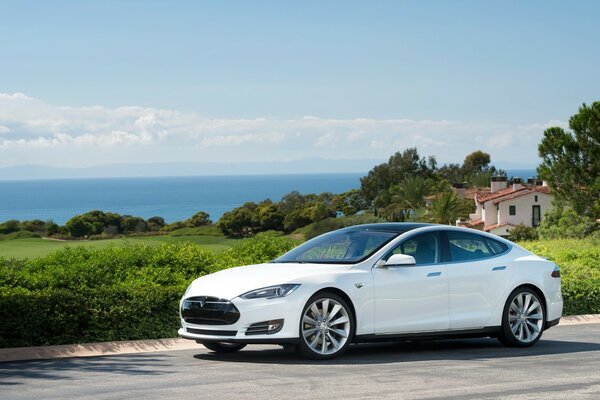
(232, 282)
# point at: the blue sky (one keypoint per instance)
(86, 83)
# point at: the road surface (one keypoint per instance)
(565, 364)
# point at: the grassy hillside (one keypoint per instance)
(37, 247)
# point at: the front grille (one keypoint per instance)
(211, 332)
(203, 310)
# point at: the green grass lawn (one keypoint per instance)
(35, 247)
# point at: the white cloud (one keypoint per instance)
(34, 131)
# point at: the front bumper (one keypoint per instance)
(251, 312)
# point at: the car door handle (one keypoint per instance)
(500, 268)
(431, 274)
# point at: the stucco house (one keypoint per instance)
(505, 206)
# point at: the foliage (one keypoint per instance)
(566, 223)
(571, 161)
(19, 235)
(81, 294)
(399, 167)
(580, 271)
(446, 208)
(522, 233)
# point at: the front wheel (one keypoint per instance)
(326, 327)
(222, 347)
(522, 319)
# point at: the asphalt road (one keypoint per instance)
(565, 364)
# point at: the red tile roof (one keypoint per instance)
(509, 191)
(519, 193)
(491, 227)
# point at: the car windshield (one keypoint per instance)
(340, 247)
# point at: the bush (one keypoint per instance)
(81, 294)
(561, 223)
(580, 271)
(522, 232)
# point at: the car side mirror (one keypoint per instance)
(398, 260)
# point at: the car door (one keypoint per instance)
(477, 278)
(412, 298)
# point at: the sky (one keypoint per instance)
(87, 83)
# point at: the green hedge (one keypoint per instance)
(81, 294)
(579, 261)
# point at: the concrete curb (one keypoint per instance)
(146, 346)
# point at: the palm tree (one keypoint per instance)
(410, 194)
(446, 208)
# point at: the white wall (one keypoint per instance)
(490, 214)
(524, 208)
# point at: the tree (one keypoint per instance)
(78, 227)
(399, 166)
(446, 208)
(131, 224)
(156, 223)
(571, 161)
(559, 223)
(10, 226)
(199, 219)
(477, 161)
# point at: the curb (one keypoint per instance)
(147, 346)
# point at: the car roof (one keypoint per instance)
(396, 227)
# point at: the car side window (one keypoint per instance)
(467, 247)
(425, 248)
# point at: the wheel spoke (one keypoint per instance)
(533, 326)
(334, 311)
(339, 332)
(534, 316)
(520, 302)
(325, 308)
(315, 310)
(313, 344)
(533, 307)
(334, 342)
(526, 331)
(514, 308)
(340, 320)
(512, 317)
(309, 332)
(527, 301)
(323, 344)
(309, 320)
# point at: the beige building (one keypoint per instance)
(503, 206)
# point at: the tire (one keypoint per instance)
(523, 318)
(222, 347)
(326, 327)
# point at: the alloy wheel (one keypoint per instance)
(326, 326)
(526, 317)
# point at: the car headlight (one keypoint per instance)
(271, 292)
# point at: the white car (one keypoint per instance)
(391, 281)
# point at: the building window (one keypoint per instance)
(536, 198)
(512, 210)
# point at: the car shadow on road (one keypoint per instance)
(20, 372)
(384, 353)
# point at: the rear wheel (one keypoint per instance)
(326, 327)
(523, 318)
(222, 347)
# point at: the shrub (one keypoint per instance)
(522, 232)
(580, 271)
(82, 294)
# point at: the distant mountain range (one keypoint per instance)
(303, 166)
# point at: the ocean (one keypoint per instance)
(173, 198)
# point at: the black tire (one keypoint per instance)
(304, 349)
(222, 347)
(507, 335)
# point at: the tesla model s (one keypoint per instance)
(391, 281)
